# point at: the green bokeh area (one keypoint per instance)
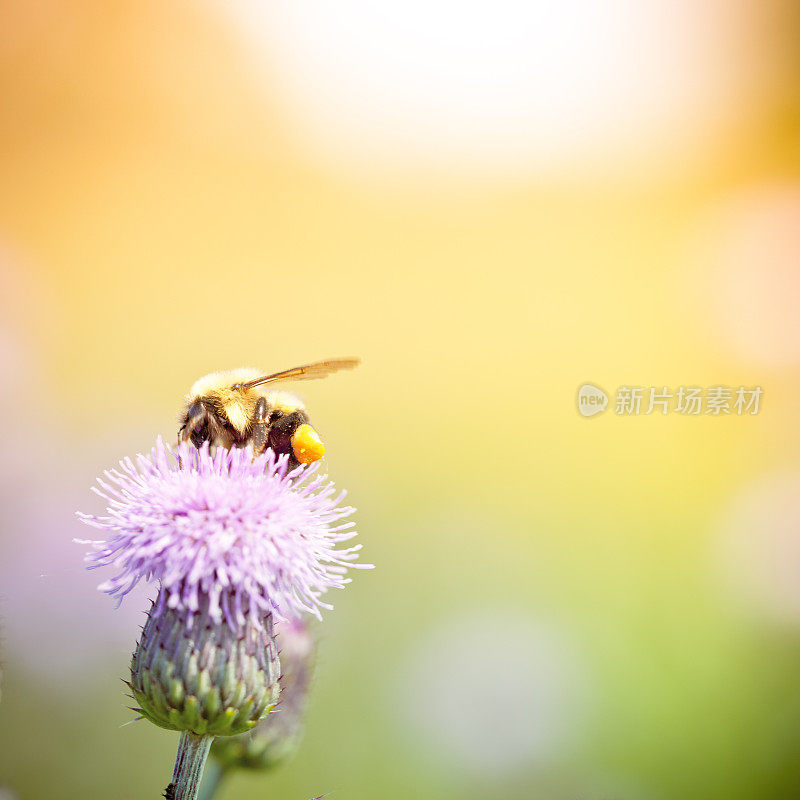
(679, 697)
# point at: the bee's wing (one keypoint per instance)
(308, 372)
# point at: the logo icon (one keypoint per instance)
(591, 400)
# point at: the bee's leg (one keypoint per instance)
(260, 427)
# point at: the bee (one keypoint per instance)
(239, 408)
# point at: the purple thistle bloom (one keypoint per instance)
(245, 535)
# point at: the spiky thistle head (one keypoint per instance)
(245, 533)
(232, 541)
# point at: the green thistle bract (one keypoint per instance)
(204, 677)
(278, 735)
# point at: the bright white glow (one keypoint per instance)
(490, 693)
(501, 84)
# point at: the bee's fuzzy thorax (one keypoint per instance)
(238, 405)
(217, 381)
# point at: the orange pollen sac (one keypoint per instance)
(307, 445)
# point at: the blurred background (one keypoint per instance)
(491, 204)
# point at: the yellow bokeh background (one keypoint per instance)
(166, 212)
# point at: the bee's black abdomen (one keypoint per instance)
(281, 432)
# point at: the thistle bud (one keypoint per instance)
(200, 675)
(277, 736)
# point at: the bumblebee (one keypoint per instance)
(236, 408)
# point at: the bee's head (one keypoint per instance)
(195, 424)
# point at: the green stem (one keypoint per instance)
(215, 772)
(189, 763)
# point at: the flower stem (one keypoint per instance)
(189, 763)
(211, 780)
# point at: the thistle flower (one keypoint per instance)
(247, 534)
(232, 541)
